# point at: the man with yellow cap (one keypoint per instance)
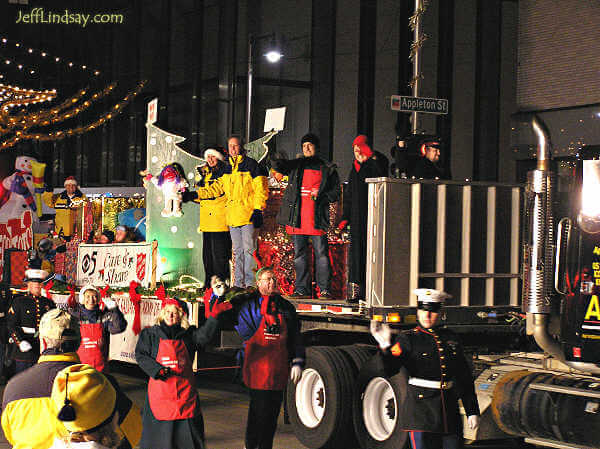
(439, 375)
(87, 406)
(28, 417)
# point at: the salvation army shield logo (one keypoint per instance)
(140, 268)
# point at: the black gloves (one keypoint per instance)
(187, 196)
(163, 373)
(257, 218)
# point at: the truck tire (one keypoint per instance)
(359, 354)
(319, 406)
(377, 404)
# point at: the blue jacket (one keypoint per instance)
(249, 318)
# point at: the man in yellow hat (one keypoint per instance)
(29, 419)
(439, 375)
(87, 406)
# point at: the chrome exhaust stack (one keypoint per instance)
(539, 250)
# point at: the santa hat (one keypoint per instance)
(85, 289)
(214, 152)
(71, 180)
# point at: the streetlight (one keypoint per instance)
(272, 56)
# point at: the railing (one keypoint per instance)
(461, 237)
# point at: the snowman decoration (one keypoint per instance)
(172, 183)
(17, 191)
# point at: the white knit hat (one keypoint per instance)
(85, 289)
(215, 153)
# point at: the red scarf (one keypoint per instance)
(268, 310)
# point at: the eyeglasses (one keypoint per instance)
(267, 279)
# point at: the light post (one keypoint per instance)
(273, 56)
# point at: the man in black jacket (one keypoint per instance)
(313, 185)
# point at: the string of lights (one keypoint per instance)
(6, 42)
(59, 135)
(46, 117)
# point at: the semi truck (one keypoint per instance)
(523, 265)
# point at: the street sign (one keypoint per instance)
(417, 104)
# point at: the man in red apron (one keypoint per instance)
(313, 185)
(96, 325)
(270, 329)
(172, 417)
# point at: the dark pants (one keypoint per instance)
(429, 440)
(322, 268)
(23, 365)
(262, 418)
(216, 252)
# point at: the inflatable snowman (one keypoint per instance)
(17, 191)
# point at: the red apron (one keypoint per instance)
(311, 180)
(91, 349)
(176, 397)
(266, 365)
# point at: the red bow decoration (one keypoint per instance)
(71, 300)
(47, 286)
(103, 293)
(161, 294)
(206, 298)
(136, 299)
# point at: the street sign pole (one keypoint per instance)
(416, 65)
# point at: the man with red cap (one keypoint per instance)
(313, 185)
(356, 210)
(65, 204)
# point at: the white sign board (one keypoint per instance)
(115, 265)
(152, 111)
(122, 346)
(274, 119)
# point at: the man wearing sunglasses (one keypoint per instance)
(438, 375)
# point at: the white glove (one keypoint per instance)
(382, 333)
(109, 303)
(25, 346)
(473, 422)
(296, 373)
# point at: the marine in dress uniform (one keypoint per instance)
(439, 376)
(23, 321)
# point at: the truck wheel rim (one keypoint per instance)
(380, 411)
(310, 398)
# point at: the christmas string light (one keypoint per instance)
(6, 43)
(59, 135)
(52, 116)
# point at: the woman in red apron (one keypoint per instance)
(272, 344)
(172, 417)
(95, 326)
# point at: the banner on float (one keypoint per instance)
(117, 265)
(15, 233)
(122, 346)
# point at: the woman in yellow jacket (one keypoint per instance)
(244, 184)
(216, 241)
(65, 204)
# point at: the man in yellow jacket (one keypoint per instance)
(65, 204)
(244, 185)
